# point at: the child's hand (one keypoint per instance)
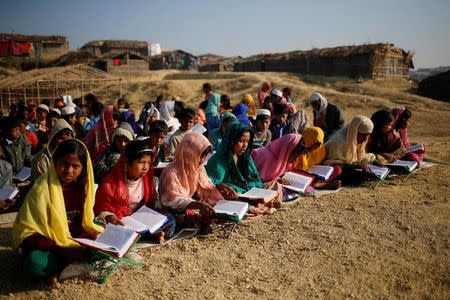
(205, 209)
(284, 181)
(113, 220)
(227, 192)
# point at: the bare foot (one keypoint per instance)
(52, 281)
(159, 236)
(333, 185)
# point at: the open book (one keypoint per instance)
(23, 174)
(231, 210)
(321, 171)
(8, 192)
(378, 172)
(415, 147)
(406, 165)
(162, 164)
(144, 219)
(116, 240)
(258, 194)
(299, 182)
(199, 128)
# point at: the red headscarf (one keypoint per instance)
(98, 137)
(112, 193)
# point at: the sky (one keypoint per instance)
(242, 27)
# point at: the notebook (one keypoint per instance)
(415, 147)
(407, 165)
(23, 174)
(299, 182)
(199, 128)
(144, 219)
(8, 192)
(321, 171)
(379, 172)
(231, 210)
(116, 240)
(259, 194)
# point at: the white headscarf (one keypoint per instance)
(167, 110)
(343, 146)
(323, 104)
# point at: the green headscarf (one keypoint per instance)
(213, 105)
(221, 167)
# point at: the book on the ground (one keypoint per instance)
(299, 182)
(415, 147)
(8, 192)
(23, 174)
(378, 172)
(144, 219)
(231, 210)
(258, 194)
(199, 128)
(321, 171)
(115, 240)
(406, 165)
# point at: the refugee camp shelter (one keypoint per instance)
(101, 47)
(367, 61)
(124, 64)
(50, 83)
(215, 63)
(43, 47)
(174, 60)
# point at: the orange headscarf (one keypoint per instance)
(306, 161)
(248, 100)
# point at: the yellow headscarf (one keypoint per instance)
(248, 100)
(306, 161)
(44, 211)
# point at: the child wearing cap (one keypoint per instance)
(187, 118)
(262, 133)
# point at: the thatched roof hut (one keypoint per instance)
(368, 61)
(100, 47)
(35, 46)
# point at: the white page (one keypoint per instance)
(8, 192)
(151, 219)
(380, 172)
(23, 174)
(131, 223)
(234, 208)
(96, 244)
(117, 237)
(322, 171)
(414, 148)
(298, 182)
(162, 164)
(199, 128)
(409, 165)
(258, 193)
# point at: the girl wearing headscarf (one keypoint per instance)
(240, 111)
(167, 112)
(128, 186)
(129, 117)
(263, 93)
(384, 141)
(327, 116)
(98, 137)
(184, 184)
(401, 121)
(347, 147)
(233, 166)
(313, 141)
(215, 137)
(248, 100)
(212, 112)
(58, 207)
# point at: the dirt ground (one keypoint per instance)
(387, 243)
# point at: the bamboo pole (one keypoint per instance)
(38, 96)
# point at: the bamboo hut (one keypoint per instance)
(101, 47)
(367, 61)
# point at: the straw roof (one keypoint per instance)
(72, 58)
(116, 44)
(48, 76)
(32, 38)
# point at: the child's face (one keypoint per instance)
(68, 168)
(120, 142)
(262, 124)
(157, 139)
(81, 120)
(186, 124)
(242, 143)
(404, 123)
(316, 105)
(139, 167)
(224, 125)
(362, 137)
(71, 119)
(14, 134)
(41, 114)
(387, 127)
(62, 136)
(152, 118)
(281, 118)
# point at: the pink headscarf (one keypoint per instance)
(272, 160)
(397, 113)
(186, 176)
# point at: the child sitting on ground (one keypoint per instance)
(187, 117)
(280, 125)
(261, 128)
